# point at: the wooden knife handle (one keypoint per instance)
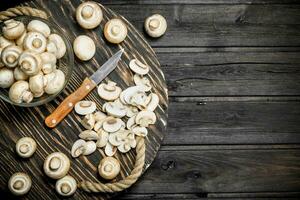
(68, 104)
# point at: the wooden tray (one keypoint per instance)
(17, 122)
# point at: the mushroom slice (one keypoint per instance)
(115, 31)
(90, 147)
(25, 147)
(85, 107)
(30, 63)
(130, 122)
(56, 165)
(19, 183)
(55, 82)
(66, 186)
(124, 147)
(127, 94)
(138, 67)
(109, 168)
(144, 118)
(110, 150)
(117, 138)
(153, 102)
(84, 47)
(89, 135)
(115, 109)
(131, 110)
(155, 25)
(78, 148)
(140, 131)
(10, 55)
(102, 139)
(88, 121)
(39, 26)
(56, 45)
(37, 84)
(35, 41)
(6, 77)
(99, 116)
(143, 81)
(112, 124)
(13, 29)
(109, 91)
(19, 92)
(89, 15)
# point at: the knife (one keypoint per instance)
(86, 87)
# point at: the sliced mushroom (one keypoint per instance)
(130, 122)
(99, 116)
(35, 41)
(131, 111)
(30, 63)
(115, 109)
(55, 82)
(117, 138)
(84, 47)
(90, 147)
(10, 55)
(78, 148)
(6, 77)
(20, 75)
(39, 26)
(109, 91)
(56, 45)
(66, 186)
(140, 100)
(19, 183)
(25, 147)
(109, 168)
(88, 121)
(56, 165)
(37, 84)
(110, 150)
(89, 135)
(20, 40)
(155, 25)
(145, 118)
(115, 31)
(126, 95)
(138, 67)
(85, 107)
(103, 139)
(143, 81)
(153, 102)
(13, 29)
(140, 131)
(112, 124)
(127, 143)
(89, 15)
(48, 62)
(19, 92)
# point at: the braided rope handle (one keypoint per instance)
(22, 10)
(122, 184)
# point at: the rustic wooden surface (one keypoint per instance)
(232, 68)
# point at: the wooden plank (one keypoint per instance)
(231, 71)
(233, 122)
(143, 2)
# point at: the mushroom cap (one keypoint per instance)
(109, 168)
(66, 186)
(143, 81)
(35, 41)
(109, 149)
(13, 29)
(103, 138)
(138, 67)
(55, 82)
(39, 26)
(19, 92)
(114, 109)
(56, 165)
(6, 77)
(89, 135)
(5, 42)
(109, 91)
(37, 84)
(25, 147)
(19, 75)
(56, 45)
(85, 107)
(112, 124)
(84, 47)
(20, 40)
(90, 147)
(88, 121)
(144, 118)
(99, 116)
(115, 31)
(89, 15)
(48, 62)
(10, 55)
(30, 63)
(155, 25)
(19, 183)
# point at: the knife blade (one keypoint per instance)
(85, 88)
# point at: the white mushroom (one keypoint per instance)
(78, 148)
(115, 109)
(55, 82)
(10, 55)
(103, 138)
(109, 91)
(48, 62)
(20, 40)
(126, 95)
(66, 186)
(155, 25)
(35, 41)
(130, 122)
(56, 165)
(13, 29)
(140, 100)
(37, 84)
(84, 47)
(99, 116)
(143, 81)
(39, 26)
(30, 63)
(89, 135)
(109, 168)
(140, 131)
(25, 147)
(115, 31)
(5, 42)
(56, 45)
(85, 107)
(127, 143)
(19, 183)
(6, 77)
(90, 147)
(19, 92)
(138, 67)
(144, 118)
(19, 75)
(88, 121)
(153, 102)
(117, 138)
(89, 15)
(112, 124)
(110, 150)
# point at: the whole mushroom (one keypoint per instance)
(84, 47)
(39, 26)
(56, 165)
(37, 84)
(13, 29)
(66, 186)
(115, 31)
(56, 45)
(19, 92)
(10, 55)
(35, 41)
(20, 75)
(6, 77)
(20, 40)
(30, 63)
(48, 62)
(25, 147)
(5, 42)
(19, 183)
(54, 82)
(155, 25)
(109, 168)
(89, 15)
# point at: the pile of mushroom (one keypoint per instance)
(28, 60)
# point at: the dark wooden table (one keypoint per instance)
(233, 73)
